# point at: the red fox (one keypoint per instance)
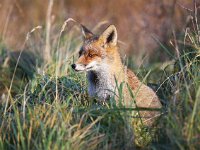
(100, 58)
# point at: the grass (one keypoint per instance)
(49, 108)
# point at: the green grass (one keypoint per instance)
(49, 108)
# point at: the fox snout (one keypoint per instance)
(83, 67)
(73, 66)
(78, 67)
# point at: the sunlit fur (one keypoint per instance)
(100, 58)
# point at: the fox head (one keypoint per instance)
(97, 51)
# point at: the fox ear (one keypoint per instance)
(87, 34)
(109, 36)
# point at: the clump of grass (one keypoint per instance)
(43, 88)
(41, 122)
(180, 88)
(53, 111)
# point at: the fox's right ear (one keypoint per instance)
(87, 34)
(109, 36)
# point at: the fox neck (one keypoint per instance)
(102, 82)
(117, 67)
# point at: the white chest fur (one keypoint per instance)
(101, 84)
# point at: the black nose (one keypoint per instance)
(73, 66)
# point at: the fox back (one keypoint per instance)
(100, 58)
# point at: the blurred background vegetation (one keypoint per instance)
(45, 105)
(138, 22)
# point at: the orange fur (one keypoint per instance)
(99, 56)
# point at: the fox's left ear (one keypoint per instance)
(109, 36)
(87, 34)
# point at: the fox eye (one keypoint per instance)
(90, 55)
